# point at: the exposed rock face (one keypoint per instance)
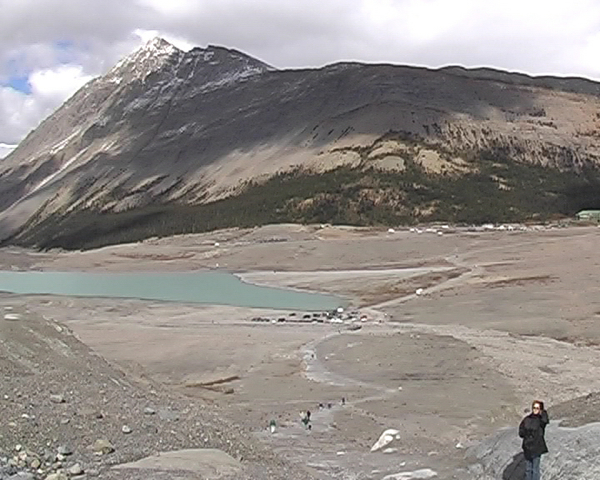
(92, 146)
(169, 126)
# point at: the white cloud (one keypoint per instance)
(58, 83)
(5, 149)
(146, 35)
(21, 112)
(589, 54)
(60, 44)
(172, 8)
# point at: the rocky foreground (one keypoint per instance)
(68, 413)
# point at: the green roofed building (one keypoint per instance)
(589, 215)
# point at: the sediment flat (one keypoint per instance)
(500, 317)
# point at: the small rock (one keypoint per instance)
(126, 429)
(35, 463)
(57, 399)
(60, 457)
(64, 450)
(75, 469)
(167, 414)
(18, 447)
(149, 411)
(102, 447)
(57, 476)
(22, 476)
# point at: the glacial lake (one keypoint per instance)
(197, 287)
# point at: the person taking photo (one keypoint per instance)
(532, 430)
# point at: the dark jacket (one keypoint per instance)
(531, 430)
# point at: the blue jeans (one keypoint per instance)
(532, 468)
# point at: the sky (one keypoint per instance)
(50, 48)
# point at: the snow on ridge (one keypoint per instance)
(232, 77)
(155, 97)
(57, 147)
(158, 53)
(145, 60)
(235, 56)
(52, 176)
(157, 47)
(160, 45)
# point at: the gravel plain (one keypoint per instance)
(461, 330)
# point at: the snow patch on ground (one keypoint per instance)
(63, 143)
(423, 473)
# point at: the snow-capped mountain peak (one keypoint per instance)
(150, 57)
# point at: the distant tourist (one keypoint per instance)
(305, 417)
(272, 426)
(532, 430)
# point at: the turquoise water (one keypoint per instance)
(203, 287)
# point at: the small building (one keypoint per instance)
(589, 215)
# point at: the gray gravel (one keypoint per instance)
(66, 412)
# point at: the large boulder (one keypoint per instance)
(573, 454)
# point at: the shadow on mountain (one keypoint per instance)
(142, 146)
(304, 108)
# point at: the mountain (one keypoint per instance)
(171, 142)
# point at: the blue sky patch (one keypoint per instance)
(18, 74)
(20, 83)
